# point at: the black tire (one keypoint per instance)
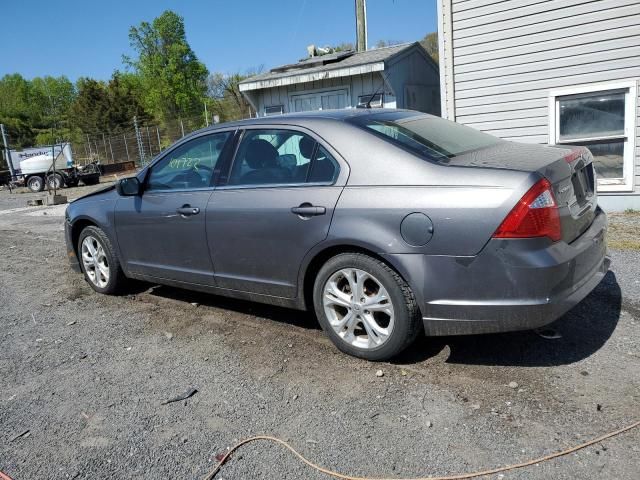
(117, 280)
(91, 180)
(72, 182)
(35, 183)
(407, 317)
(55, 180)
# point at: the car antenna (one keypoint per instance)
(385, 78)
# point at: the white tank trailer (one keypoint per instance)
(35, 168)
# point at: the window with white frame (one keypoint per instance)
(602, 118)
(373, 100)
(274, 110)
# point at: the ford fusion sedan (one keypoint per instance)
(388, 224)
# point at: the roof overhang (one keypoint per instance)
(300, 77)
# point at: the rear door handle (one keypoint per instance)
(308, 210)
(188, 210)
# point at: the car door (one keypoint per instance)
(162, 232)
(275, 205)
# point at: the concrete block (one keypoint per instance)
(56, 199)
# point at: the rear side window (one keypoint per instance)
(281, 157)
(432, 137)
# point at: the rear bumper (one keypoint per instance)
(511, 285)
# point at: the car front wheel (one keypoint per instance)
(100, 264)
(365, 307)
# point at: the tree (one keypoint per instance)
(88, 110)
(226, 99)
(31, 109)
(173, 80)
(15, 110)
(108, 107)
(387, 43)
(430, 44)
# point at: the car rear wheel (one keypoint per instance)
(100, 264)
(35, 183)
(365, 307)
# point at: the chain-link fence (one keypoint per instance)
(136, 142)
(139, 144)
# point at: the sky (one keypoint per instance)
(88, 38)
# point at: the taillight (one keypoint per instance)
(535, 215)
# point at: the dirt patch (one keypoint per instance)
(87, 376)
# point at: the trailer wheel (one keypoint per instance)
(72, 182)
(35, 183)
(55, 180)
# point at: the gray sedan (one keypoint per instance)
(386, 223)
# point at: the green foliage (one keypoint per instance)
(225, 98)
(29, 109)
(430, 44)
(108, 107)
(344, 47)
(387, 43)
(173, 80)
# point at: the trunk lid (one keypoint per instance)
(568, 168)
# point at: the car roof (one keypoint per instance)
(310, 117)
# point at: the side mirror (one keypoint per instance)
(129, 187)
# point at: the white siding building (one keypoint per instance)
(404, 76)
(555, 71)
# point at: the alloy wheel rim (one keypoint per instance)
(359, 308)
(95, 261)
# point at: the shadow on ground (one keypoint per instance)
(584, 330)
(296, 318)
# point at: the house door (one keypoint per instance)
(320, 101)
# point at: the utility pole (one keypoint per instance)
(206, 114)
(361, 25)
(7, 152)
(139, 140)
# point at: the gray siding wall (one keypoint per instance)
(415, 74)
(411, 77)
(504, 57)
(356, 85)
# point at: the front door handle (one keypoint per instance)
(308, 210)
(188, 210)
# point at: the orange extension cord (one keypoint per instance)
(460, 476)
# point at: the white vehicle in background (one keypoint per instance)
(36, 169)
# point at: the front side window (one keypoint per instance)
(189, 166)
(280, 157)
(604, 122)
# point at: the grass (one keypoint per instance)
(624, 230)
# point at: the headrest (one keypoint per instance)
(306, 147)
(261, 154)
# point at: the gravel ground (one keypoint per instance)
(86, 375)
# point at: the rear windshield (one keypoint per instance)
(432, 137)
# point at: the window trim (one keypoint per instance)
(317, 92)
(267, 114)
(365, 97)
(630, 88)
(223, 184)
